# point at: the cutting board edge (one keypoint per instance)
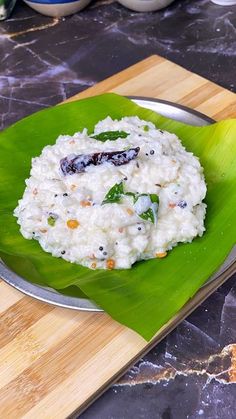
(147, 63)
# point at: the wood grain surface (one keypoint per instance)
(56, 361)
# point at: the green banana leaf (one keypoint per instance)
(147, 296)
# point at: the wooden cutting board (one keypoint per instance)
(55, 361)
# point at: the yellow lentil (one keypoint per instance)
(85, 203)
(72, 224)
(161, 255)
(129, 211)
(110, 263)
(43, 230)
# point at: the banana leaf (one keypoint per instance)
(145, 297)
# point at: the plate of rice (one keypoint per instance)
(125, 193)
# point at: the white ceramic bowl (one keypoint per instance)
(224, 2)
(145, 5)
(57, 8)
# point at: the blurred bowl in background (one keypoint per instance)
(57, 8)
(145, 5)
(224, 2)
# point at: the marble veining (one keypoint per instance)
(192, 372)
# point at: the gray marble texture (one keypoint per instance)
(191, 373)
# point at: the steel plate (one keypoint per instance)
(48, 295)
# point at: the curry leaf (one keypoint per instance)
(152, 200)
(115, 194)
(148, 215)
(110, 135)
(151, 213)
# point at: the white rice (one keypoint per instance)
(113, 235)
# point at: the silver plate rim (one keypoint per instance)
(51, 296)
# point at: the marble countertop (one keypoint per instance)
(192, 373)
